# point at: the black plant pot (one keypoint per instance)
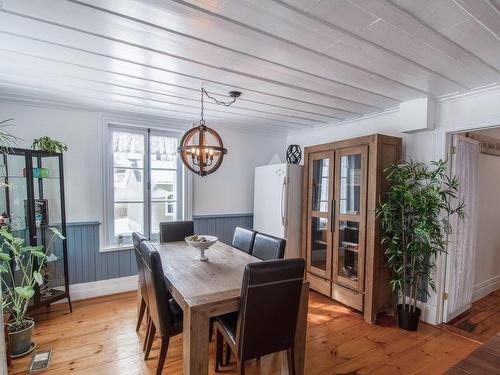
(408, 320)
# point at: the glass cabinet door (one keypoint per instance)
(320, 196)
(350, 199)
(48, 214)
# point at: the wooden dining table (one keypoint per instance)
(212, 288)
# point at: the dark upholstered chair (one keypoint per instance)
(175, 230)
(266, 322)
(243, 239)
(267, 247)
(142, 292)
(166, 314)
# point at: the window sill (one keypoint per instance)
(117, 248)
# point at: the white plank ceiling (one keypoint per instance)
(299, 63)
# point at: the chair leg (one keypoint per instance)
(148, 330)
(241, 367)
(163, 355)
(290, 354)
(219, 342)
(140, 313)
(151, 338)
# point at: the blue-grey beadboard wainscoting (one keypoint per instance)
(87, 263)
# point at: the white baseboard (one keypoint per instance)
(485, 287)
(102, 287)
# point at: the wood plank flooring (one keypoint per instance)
(99, 338)
(484, 360)
(482, 321)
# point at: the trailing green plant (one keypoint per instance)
(7, 140)
(19, 287)
(415, 223)
(48, 144)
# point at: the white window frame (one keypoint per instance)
(184, 182)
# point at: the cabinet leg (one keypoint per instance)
(70, 306)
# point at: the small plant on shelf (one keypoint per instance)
(20, 271)
(49, 145)
(415, 223)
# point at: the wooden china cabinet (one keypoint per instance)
(343, 183)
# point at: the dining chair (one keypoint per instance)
(176, 230)
(166, 314)
(142, 292)
(243, 239)
(268, 247)
(266, 322)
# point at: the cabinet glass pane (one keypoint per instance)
(53, 270)
(348, 249)
(48, 213)
(319, 244)
(320, 183)
(18, 195)
(350, 184)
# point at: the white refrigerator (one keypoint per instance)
(278, 203)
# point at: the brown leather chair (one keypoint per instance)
(175, 230)
(243, 239)
(142, 292)
(267, 247)
(166, 314)
(266, 322)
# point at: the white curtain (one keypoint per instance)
(463, 250)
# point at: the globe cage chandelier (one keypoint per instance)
(196, 151)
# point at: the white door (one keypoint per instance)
(270, 199)
(460, 261)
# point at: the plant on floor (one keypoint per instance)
(48, 144)
(415, 221)
(19, 282)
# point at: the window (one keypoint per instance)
(145, 184)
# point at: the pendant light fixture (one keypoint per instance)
(201, 148)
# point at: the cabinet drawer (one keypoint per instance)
(318, 284)
(347, 297)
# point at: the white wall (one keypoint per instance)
(82, 163)
(228, 190)
(487, 269)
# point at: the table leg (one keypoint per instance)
(195, 342)
(300, 337)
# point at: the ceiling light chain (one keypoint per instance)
(233, 94)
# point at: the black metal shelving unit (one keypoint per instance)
(24, 188)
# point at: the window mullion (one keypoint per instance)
(147, 186)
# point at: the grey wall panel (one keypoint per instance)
(87, 263)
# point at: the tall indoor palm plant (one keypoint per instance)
(415, 223)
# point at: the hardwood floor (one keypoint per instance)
(99, 338)
(482, 321)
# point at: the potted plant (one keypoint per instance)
(19, 285)
(415, 223)
(48, 144)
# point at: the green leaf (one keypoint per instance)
(38, 277)
(6, 234)
(25, 292)
(38, 254)
(57, 233)
(3, 269)
(5, 257)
